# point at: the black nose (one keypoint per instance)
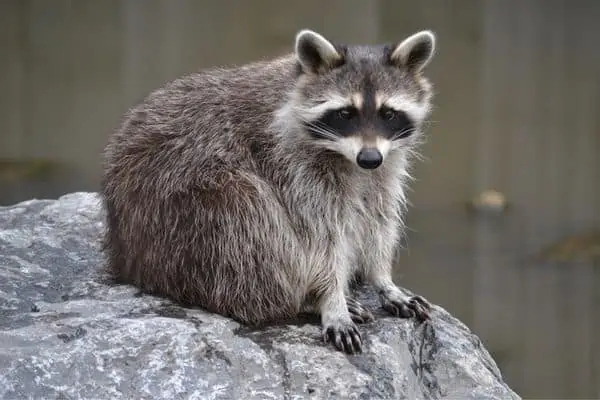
(369, 158)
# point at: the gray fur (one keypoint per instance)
(217, 197)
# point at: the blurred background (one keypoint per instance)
(504, 231)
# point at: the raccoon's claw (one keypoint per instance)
(345, 337)
(409, 307)
(358, 312)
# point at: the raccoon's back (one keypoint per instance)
(190, 134)
(199, 121)
(180, 191)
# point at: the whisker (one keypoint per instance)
(397, 135)
(320, 129)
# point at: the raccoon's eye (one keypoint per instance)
(388, 114)
(346, 113)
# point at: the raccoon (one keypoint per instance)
(262, 191)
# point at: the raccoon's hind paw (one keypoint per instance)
(358, 312)
(407, 307)
(344, 335)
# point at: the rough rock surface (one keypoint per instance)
(67, 334)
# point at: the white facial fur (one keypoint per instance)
(416, 111)
(331, 101)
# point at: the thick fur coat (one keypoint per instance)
(259, 192)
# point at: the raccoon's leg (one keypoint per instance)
(336, 320)
(358, 312)
(377, 261)
(397, 303)
(338, 326)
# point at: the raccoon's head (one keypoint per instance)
(363, 102)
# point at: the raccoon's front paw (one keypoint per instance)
(406, 307)
(344, 335)
(358, 312)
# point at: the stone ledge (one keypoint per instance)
(64, 333)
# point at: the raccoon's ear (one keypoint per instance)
(315, 53)
(414, 52)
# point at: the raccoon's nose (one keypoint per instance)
(369, 158)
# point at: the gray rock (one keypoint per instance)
(65, 333)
